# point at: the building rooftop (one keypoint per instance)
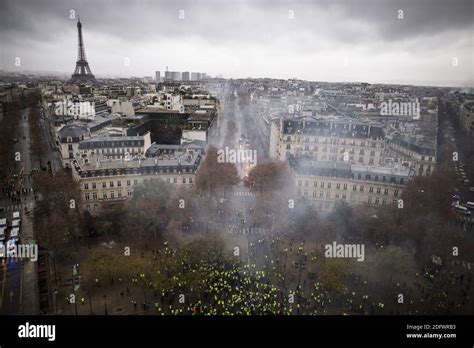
(96, 163)
(420, 143)
(327, 126)
(157, 149)
(392, 170)
(305, 166)
(109, 140)
(73, 131)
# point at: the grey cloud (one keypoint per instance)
(218, 21)
(256, 32)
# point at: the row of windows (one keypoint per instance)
(183, 180)
(343, 196)
(111, 184)
(138, 171)
(96, 207)
(334, 158)
(333, 150)
(377, 201)
(116, 143)
(368, 177)
(361, 189)
(376, 178)
(333, 141)
(106, 195)
(411, 153)
(344, 186)
(135, 182)
(117, 150)
(69, 139)
(422, 168)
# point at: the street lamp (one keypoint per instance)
(300, 264)
(74, 273)
(55, 293)
(105, 304)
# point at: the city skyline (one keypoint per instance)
(320, 41)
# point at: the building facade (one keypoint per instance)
(467, 117)
(325, 183)
(327, 139)
(106, 182)
(68, 139)
(186, 76)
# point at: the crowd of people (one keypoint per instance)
(279, 276)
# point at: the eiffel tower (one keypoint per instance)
(82, 74)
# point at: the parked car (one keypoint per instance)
(3, 233)
(16, 220)
(15, 234)
(462, 210)
(10, 249)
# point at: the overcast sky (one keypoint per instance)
(351, 40)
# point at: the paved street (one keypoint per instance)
(19, 282)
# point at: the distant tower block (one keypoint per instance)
(82, 73)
